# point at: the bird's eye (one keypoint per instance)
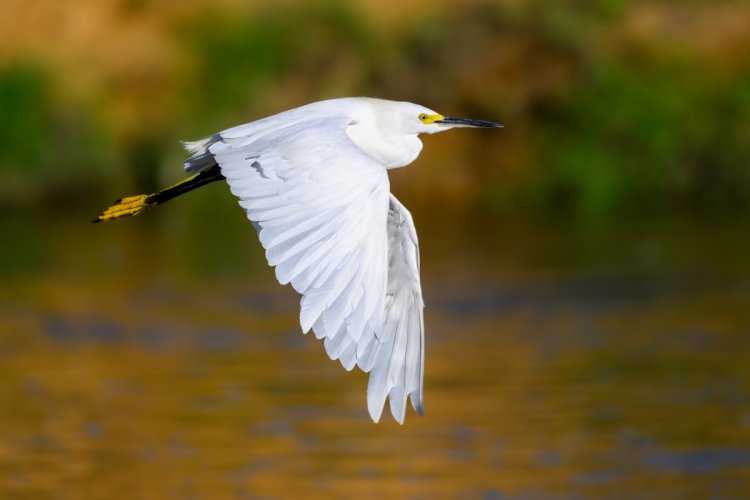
(423, 117)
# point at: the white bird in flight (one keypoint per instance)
(313, 182)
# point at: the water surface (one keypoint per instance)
(158, 358)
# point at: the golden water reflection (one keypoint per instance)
(124, 374)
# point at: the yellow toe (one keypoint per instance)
(125, 207)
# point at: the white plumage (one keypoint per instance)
(313, 181)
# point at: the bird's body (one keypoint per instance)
(313, 182)
(359, 117)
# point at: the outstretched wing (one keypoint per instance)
(323, 214)
(398, 357)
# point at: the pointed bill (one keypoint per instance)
(467, 122)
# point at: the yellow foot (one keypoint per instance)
(124, 207)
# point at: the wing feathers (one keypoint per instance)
(329, 226)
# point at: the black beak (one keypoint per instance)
(467, 122)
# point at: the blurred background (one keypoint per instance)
(585, 268)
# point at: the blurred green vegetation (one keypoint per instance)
(611, 108)
(249, 56)
(636, 137)
(42, 143)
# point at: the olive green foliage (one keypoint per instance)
(251, 56)
(597, 125)
(45, 149)
(629, 137)
(27, 116)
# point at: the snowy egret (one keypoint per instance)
(313, 182)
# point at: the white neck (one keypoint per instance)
(392, 150)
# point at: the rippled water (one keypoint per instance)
(156, 358)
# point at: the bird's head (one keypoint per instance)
(413, 119)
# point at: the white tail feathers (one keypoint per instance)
(195, 147)
(201, 145)
(200, 157)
